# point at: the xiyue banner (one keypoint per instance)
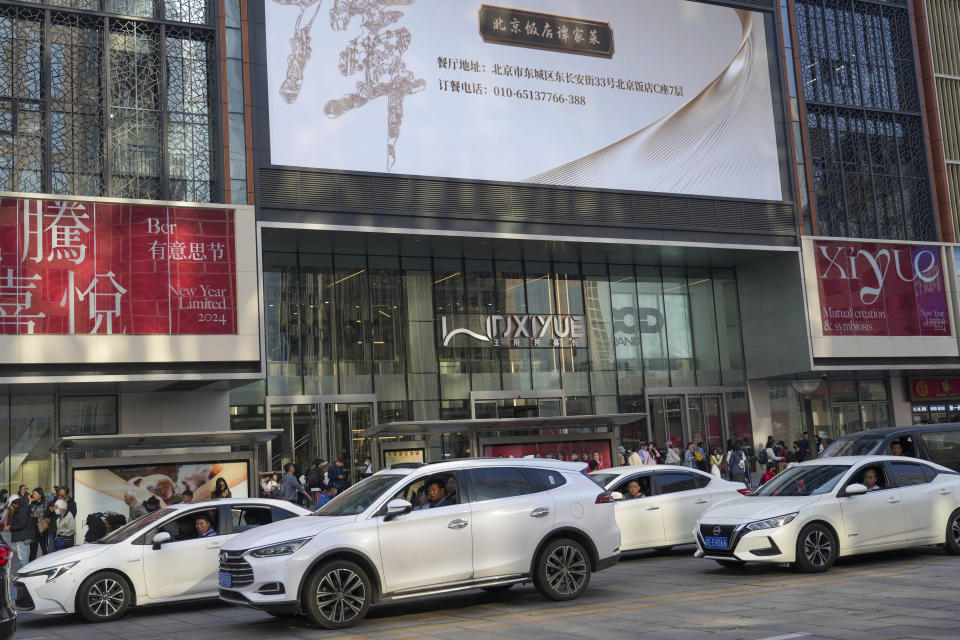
(877, 289)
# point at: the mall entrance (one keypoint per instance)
(694, 416)
(329, 427)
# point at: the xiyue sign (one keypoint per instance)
(877, 289)
(515, 330)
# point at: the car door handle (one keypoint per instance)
(214, 545)
(893, 500)
(701, 501)
(943, 491)
(539, 513)
(652, 508)
(457, 524)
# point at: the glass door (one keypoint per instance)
(297, 442)
(666, 420)
(346, 423)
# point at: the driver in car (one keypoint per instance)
(870, 480)
(437, 494)
(204, 526)
(633, 490)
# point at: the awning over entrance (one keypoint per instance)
(164, 440)
(502, 424)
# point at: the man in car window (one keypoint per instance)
(204, 526)
(870, 480)
(437, 494)
(633, 490)
(896, 447)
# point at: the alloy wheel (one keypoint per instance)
(955, 529)
(566, 570)
(105, 597)
(341, 595)
(818, 548)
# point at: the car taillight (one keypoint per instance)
(744, 491)
(604, 498)
(5, 554)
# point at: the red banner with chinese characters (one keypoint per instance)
(74, 267)
(881, 289)
(925, 389)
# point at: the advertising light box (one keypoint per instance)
(102, 281)
(667, 96)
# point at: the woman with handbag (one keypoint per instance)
(38, 544)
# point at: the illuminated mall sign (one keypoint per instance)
(517, 330)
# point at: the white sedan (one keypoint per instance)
(660, 504)
(160, 557)
(819, 510)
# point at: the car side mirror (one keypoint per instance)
(161, 538)
(616, 495)
(397, 508)
(855, 489)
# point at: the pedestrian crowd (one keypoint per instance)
(311, 488)
(36, 523)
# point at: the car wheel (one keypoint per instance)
(562, 570)
(953, 533)
(500, 588)
(337, 595)
(731, 564)
(104, 597)
(816, 549)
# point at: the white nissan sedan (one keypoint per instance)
(160, 557)
(660, 504)
(819, 510)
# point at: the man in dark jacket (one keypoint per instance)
(315, 479)
(21, 528)
(336, 475)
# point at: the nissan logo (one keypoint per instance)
(716, 531)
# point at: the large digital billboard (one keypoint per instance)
(666, 96)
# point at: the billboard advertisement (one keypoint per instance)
(881, 289)
(668, 96)
(100, 490)
(73, 267)
(392, 457)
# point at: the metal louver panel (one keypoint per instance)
(355, 191)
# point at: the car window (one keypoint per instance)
(906, 446)
(134, 527)
(279, 514)
(602, 478)
(644, 486)
(360, 496)
(185, 527)
(854, 446)
(546, 479)
(929, 472)
(804, 480)
(701, 481)
(877, 482)
(943, 447)
(493, 483)
(674, 481)
(908, 474)
(430, 492)
(247, 517)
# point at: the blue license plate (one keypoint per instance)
(715, 543)
(226, 580)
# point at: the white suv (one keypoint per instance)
(405, 533)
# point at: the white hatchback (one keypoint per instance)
(154, 559)
(822, 509)
(405, 533)
(660, 504)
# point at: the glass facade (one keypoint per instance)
(373, 322)
(109, 106)
(26, 435)
(869, 163)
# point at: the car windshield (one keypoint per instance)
(859, 446)
(603, 479)
(360, 496)
(133, 527)
(804, 481)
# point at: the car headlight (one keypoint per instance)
(771, 523)
(280, 549)
(52, 573)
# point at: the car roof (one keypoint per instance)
(476, 463)
(628, 469)
(267, 502)
(887, 431)
(849, 460)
